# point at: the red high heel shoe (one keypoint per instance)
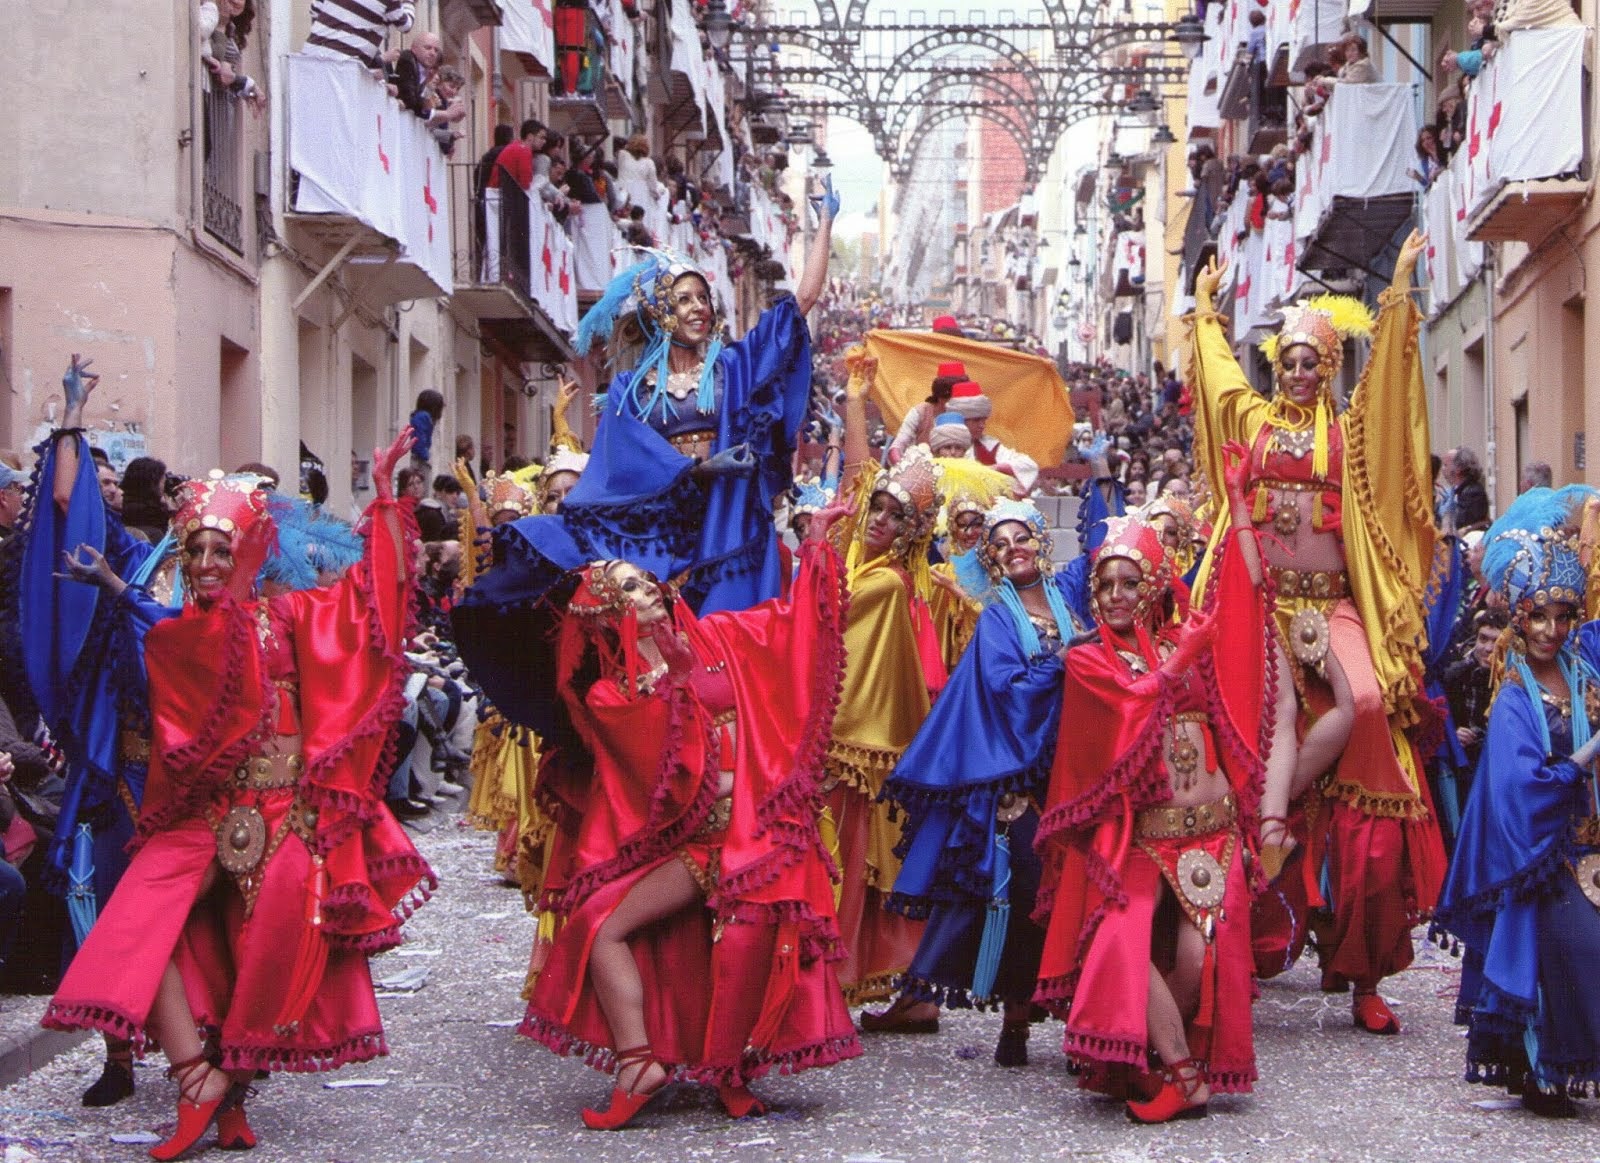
(1175, 1100)
(194, 1117)
(625, 1104)
(233, 1128)
(1373, 1015)
(739, 1102)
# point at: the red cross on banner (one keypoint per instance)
(427, 196)
(382, 157)
(566, 279)
(1494, 118)
(546, 257)
(1327, 147)
(1243, 292)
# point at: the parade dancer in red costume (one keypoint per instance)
(266, 867)
(1150, 810)
(698, 936)
(1343, 502)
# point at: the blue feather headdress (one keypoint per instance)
(310, 542)
(1532, 555)
(644, 291)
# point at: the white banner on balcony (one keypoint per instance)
(1203, 108)
(1438, 215)
(359, 153)
(620, 44)
(1362, 147)
(552, 268)
(528, 27)
(1469, 255)
(1279, 278)
(595, 237)
(767, 227)
(1280, 27)
(1250, 292)
(1230, 235)
(1524, 112)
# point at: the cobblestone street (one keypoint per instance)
(459, 1085)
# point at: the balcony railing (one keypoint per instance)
(1527, 125)
(221, 181)
(513, 267)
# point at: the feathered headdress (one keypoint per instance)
(310, 543)
(915, 483)
(810, 496)
(969, 487)
(644, 291)
(1532, 558)
(1323, 323)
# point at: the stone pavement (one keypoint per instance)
(459, 1085)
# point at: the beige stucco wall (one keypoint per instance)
(151, 311)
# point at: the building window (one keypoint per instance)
(222, 190)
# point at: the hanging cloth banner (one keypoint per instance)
(359, 153)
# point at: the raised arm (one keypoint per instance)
(815, 276)
(857, 445)
(78, 383)
(561, 434)
(384, 463)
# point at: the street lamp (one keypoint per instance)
(822, 161)
(1190, 33)
(1144, 101)
(1163, 135)
(718, 24)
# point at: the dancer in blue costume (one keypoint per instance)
(972, 778)
(1523, 893)
(84, 657)
(693, 447)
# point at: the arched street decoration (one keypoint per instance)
(903, 73)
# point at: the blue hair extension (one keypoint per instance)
(972, 576)
(706, 399)
(1019, 614)
(600, 320)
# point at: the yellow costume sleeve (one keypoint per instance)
(561, 434)
(1388, 522)
(884, 696)
(1226, 408)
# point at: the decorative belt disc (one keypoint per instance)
(1201, 879)
(1588, 874)
(241, 840)
(1308, 637)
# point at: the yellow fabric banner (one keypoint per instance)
(1032, 410)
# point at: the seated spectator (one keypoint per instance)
(1536, 475)
(356, 28)
(144, 500)
(13, 488)
(436, 515)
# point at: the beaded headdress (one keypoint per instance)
(509, 494)
(644, 291)
(1533, 556)
(236, 507)
(810, 497)
(1029, 515)
(1131, 539)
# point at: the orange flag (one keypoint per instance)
(1032, 410)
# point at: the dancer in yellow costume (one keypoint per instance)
(1344, 505)
(970, 490)
(892, 669)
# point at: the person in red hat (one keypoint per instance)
(918, 424)
(974, 407)
(947, 325)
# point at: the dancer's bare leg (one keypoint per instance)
(614, 972)
(1174, 999)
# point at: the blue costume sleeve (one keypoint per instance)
(992, 731)
(1094, 511)
(766, 386)
(1073, 582)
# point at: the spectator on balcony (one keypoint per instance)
(222, 51)
(639, 183)
(1466, 504)
(1430, 163)
(486, 210)
(448, 108)
(1256, 45)
(356, 28)
(593, 230)
(1357, 67)
(1536, 14)
(1468, 63)
(511, 177)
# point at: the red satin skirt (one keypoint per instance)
(237, 969)
(1107, 1025)
(707, 988)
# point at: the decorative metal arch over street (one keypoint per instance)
(904, 74)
